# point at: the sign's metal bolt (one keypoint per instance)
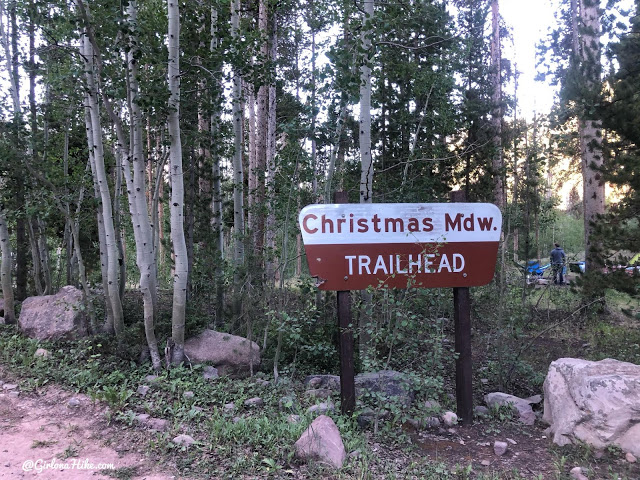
(346, 277)
(464, 275)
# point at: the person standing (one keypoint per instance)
(557, 264)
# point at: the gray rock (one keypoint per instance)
(158, 424)
(142, 418)
(432, 422)
(188, 395)
(73, 402)
(321, 408)
(322, 393)
(322, 442)
(262, 382)
(54, 317)
(288, 403)
(481, 411)
(184, 440)
(254, 402)
(229, 407)
(9, 386)
(388, 384)
(449, 419)
(42, 352)
(230, 354)
(331, 382)
(210, 373)
(485, 463)
(152, 379)
(629, 457)
(522, 406)
(293, 418)
(432, 406)
(577, 474)
(594, 402)
(500, 448)
(142, 390)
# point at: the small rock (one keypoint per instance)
(484, 381)
(229, 407)
(158, 424)
(197, 409)
(210, 373)
(481, 411)
(42, 352)
(355, 454)
(321, 408)
(500, 448)
(576, 474)
(598, 454)
(432, 422)
(432, 405)
(452, 431)
(254, 402)
(73, 402)
(534, 399)
(142, 418)
(288, 404)
(142, 390)
(236, 419)
(152, 378)
(188, 395)
(14, 394)
(293, 418)
(485, 463)
(322, 442)
(184, 440)
(630, 457)
(511, 441)
(9, 386)
(449, 419)
(322, 393)
(262, 382)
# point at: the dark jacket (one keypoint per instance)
(557, 256)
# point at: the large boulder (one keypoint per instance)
(595, 402)
(230, 354)
(322, 442)
(54, 317)
(387, 385)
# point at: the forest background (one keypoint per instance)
(167, 148)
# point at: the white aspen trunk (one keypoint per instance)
(252, 174)
(215, 129)
(496, 113)
(270, 262)
(95, 144)
(366, 161)
(181, 268)
(366, 170)
(590, 131)
(137, 192)
(108, 324)
(238, 185)
(5, 270)
(262, 125)
(5, 243)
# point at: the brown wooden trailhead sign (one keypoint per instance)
(403, 245)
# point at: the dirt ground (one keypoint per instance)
(46, 437)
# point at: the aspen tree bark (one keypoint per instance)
(366, 175)
(177, 187)
(366, 161)
(270, 261)
(238, 187)
(496, 113)
(5, 270)
(586, 41)
(137, 191)
(95, 144)
(5, 244)
(217, 177)
(102, 242)
(252, 173)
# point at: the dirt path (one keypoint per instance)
(58, 435)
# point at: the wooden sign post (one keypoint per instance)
(403, 245)
(345, 327)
